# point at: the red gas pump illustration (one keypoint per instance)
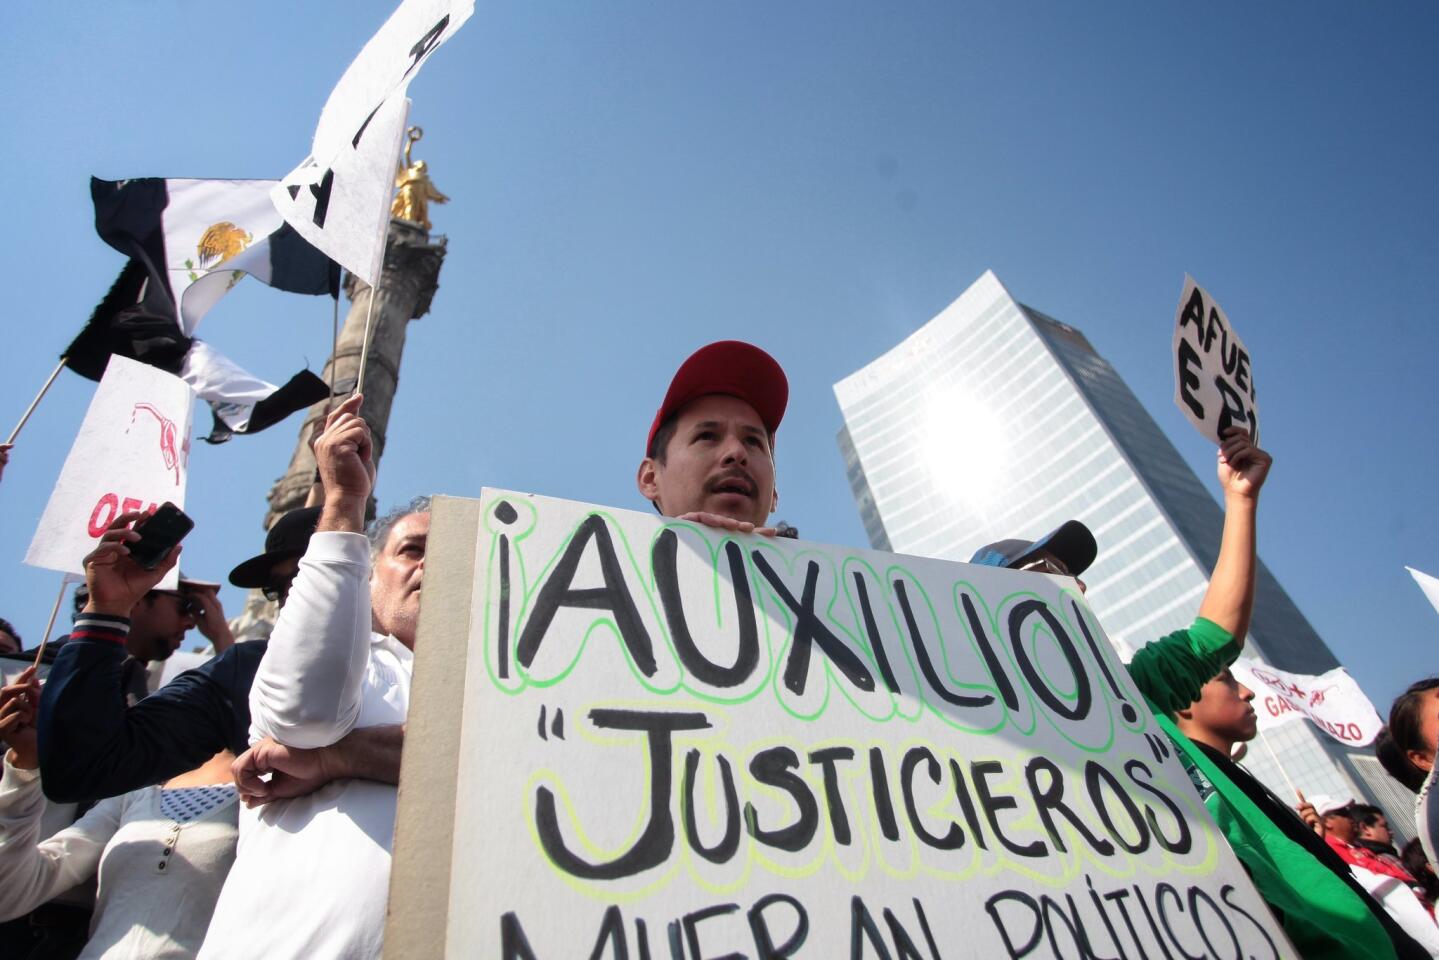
(167, 438)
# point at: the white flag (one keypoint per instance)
(343, 209)
(132, 452)
(1428, 584)
(344, 186)
(1332, 700)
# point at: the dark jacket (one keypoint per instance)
(92, 745)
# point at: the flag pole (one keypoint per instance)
(36, 402)
(54, 611)
(369, 318)
(334, 350)
(1275, 757)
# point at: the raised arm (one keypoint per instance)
(1229, 602)
(307, 691)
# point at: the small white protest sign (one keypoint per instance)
(680, 741)
(1331, 700)
(1213, 373)
(132, 452)
(343, 209)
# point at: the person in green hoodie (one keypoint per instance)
(1184, 677)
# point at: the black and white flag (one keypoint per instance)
(198, 238)
(189, 242)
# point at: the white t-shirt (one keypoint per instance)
(311, 876)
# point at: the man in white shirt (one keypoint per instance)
(316, 866)
(311, 876)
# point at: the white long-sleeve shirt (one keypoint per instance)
(158, 878)
(311, 878)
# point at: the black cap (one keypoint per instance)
(288, 538)
(1071, 544)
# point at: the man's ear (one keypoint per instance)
(646, 480)
(774, 501)
(1420, 760)
(1185, 715)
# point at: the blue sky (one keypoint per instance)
(630, 180)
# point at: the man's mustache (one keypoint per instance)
(735, 476)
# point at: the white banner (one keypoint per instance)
(681, 741)
(132, 452)
(1213, 374)
(343, 209)
(338, 198)
(1332, 700)
(384, 69)
(1428, 584)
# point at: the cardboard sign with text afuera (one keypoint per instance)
(1213, 372)
(681, 742)
(132, 453)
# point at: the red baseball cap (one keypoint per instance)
(730, 367)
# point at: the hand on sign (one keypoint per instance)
(1309, 815)
(210, 617)
(19, 703)
(345, 455)
(726, 523)
(1242, 465)
(115, 581)
(293, 772)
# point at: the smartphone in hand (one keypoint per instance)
(159, 533)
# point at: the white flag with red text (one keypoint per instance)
(132, 452)
(1332, 701)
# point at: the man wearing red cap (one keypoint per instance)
(710, 452)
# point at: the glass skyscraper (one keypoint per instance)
(995, 421)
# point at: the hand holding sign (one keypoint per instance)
(727, 523)
(19, 702)
(1213, 379)
(1243, 467)
(116, 581)
(1308, 814)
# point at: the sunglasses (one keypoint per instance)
(1046, 565)
(184, 602)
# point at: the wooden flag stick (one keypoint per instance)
(369, 318)
(36, 402)
(334, 351)
(54, 611)
(1275, 757)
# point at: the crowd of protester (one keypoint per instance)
(246, 808)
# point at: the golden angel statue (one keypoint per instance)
(413, 189)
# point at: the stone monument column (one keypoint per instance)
(407, 286)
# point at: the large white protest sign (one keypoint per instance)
(679, 742)
(132, 452)
(1332, 701)
(328, 198)
(1213, 374)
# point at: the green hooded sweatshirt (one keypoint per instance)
(1323, 916)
